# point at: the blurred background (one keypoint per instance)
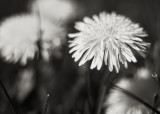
(61, 77)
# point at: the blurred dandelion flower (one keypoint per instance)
(54, 36)
(120, 103)
(107, 37)
(19, 36)
(55, 10)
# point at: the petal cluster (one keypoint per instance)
(108, 38)
(19, 36)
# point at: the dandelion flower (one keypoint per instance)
(55, 10)
(19, 36)
(143, 85)
(108, 38)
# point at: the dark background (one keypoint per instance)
(61, 77)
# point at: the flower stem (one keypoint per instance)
(8, 97)
(46, 104)
(89, 92)
(102, 90)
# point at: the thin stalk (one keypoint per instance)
(40, 32)
(46, 104)
(8, 97)
(101, 98)
(39, 18)
(89, 92)
(102, 90)
(134, 97)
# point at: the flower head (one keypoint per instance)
(19, 36)
(55, 10)
(143, 85)
(108, 38)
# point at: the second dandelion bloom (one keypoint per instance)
(19, 36)
(108, 38)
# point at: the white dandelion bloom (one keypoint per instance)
(108, 38)
(19, 36)
(143, 85)
(55, 10)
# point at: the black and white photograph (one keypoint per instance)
(79, 56)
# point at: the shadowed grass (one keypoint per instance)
(8, 97)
